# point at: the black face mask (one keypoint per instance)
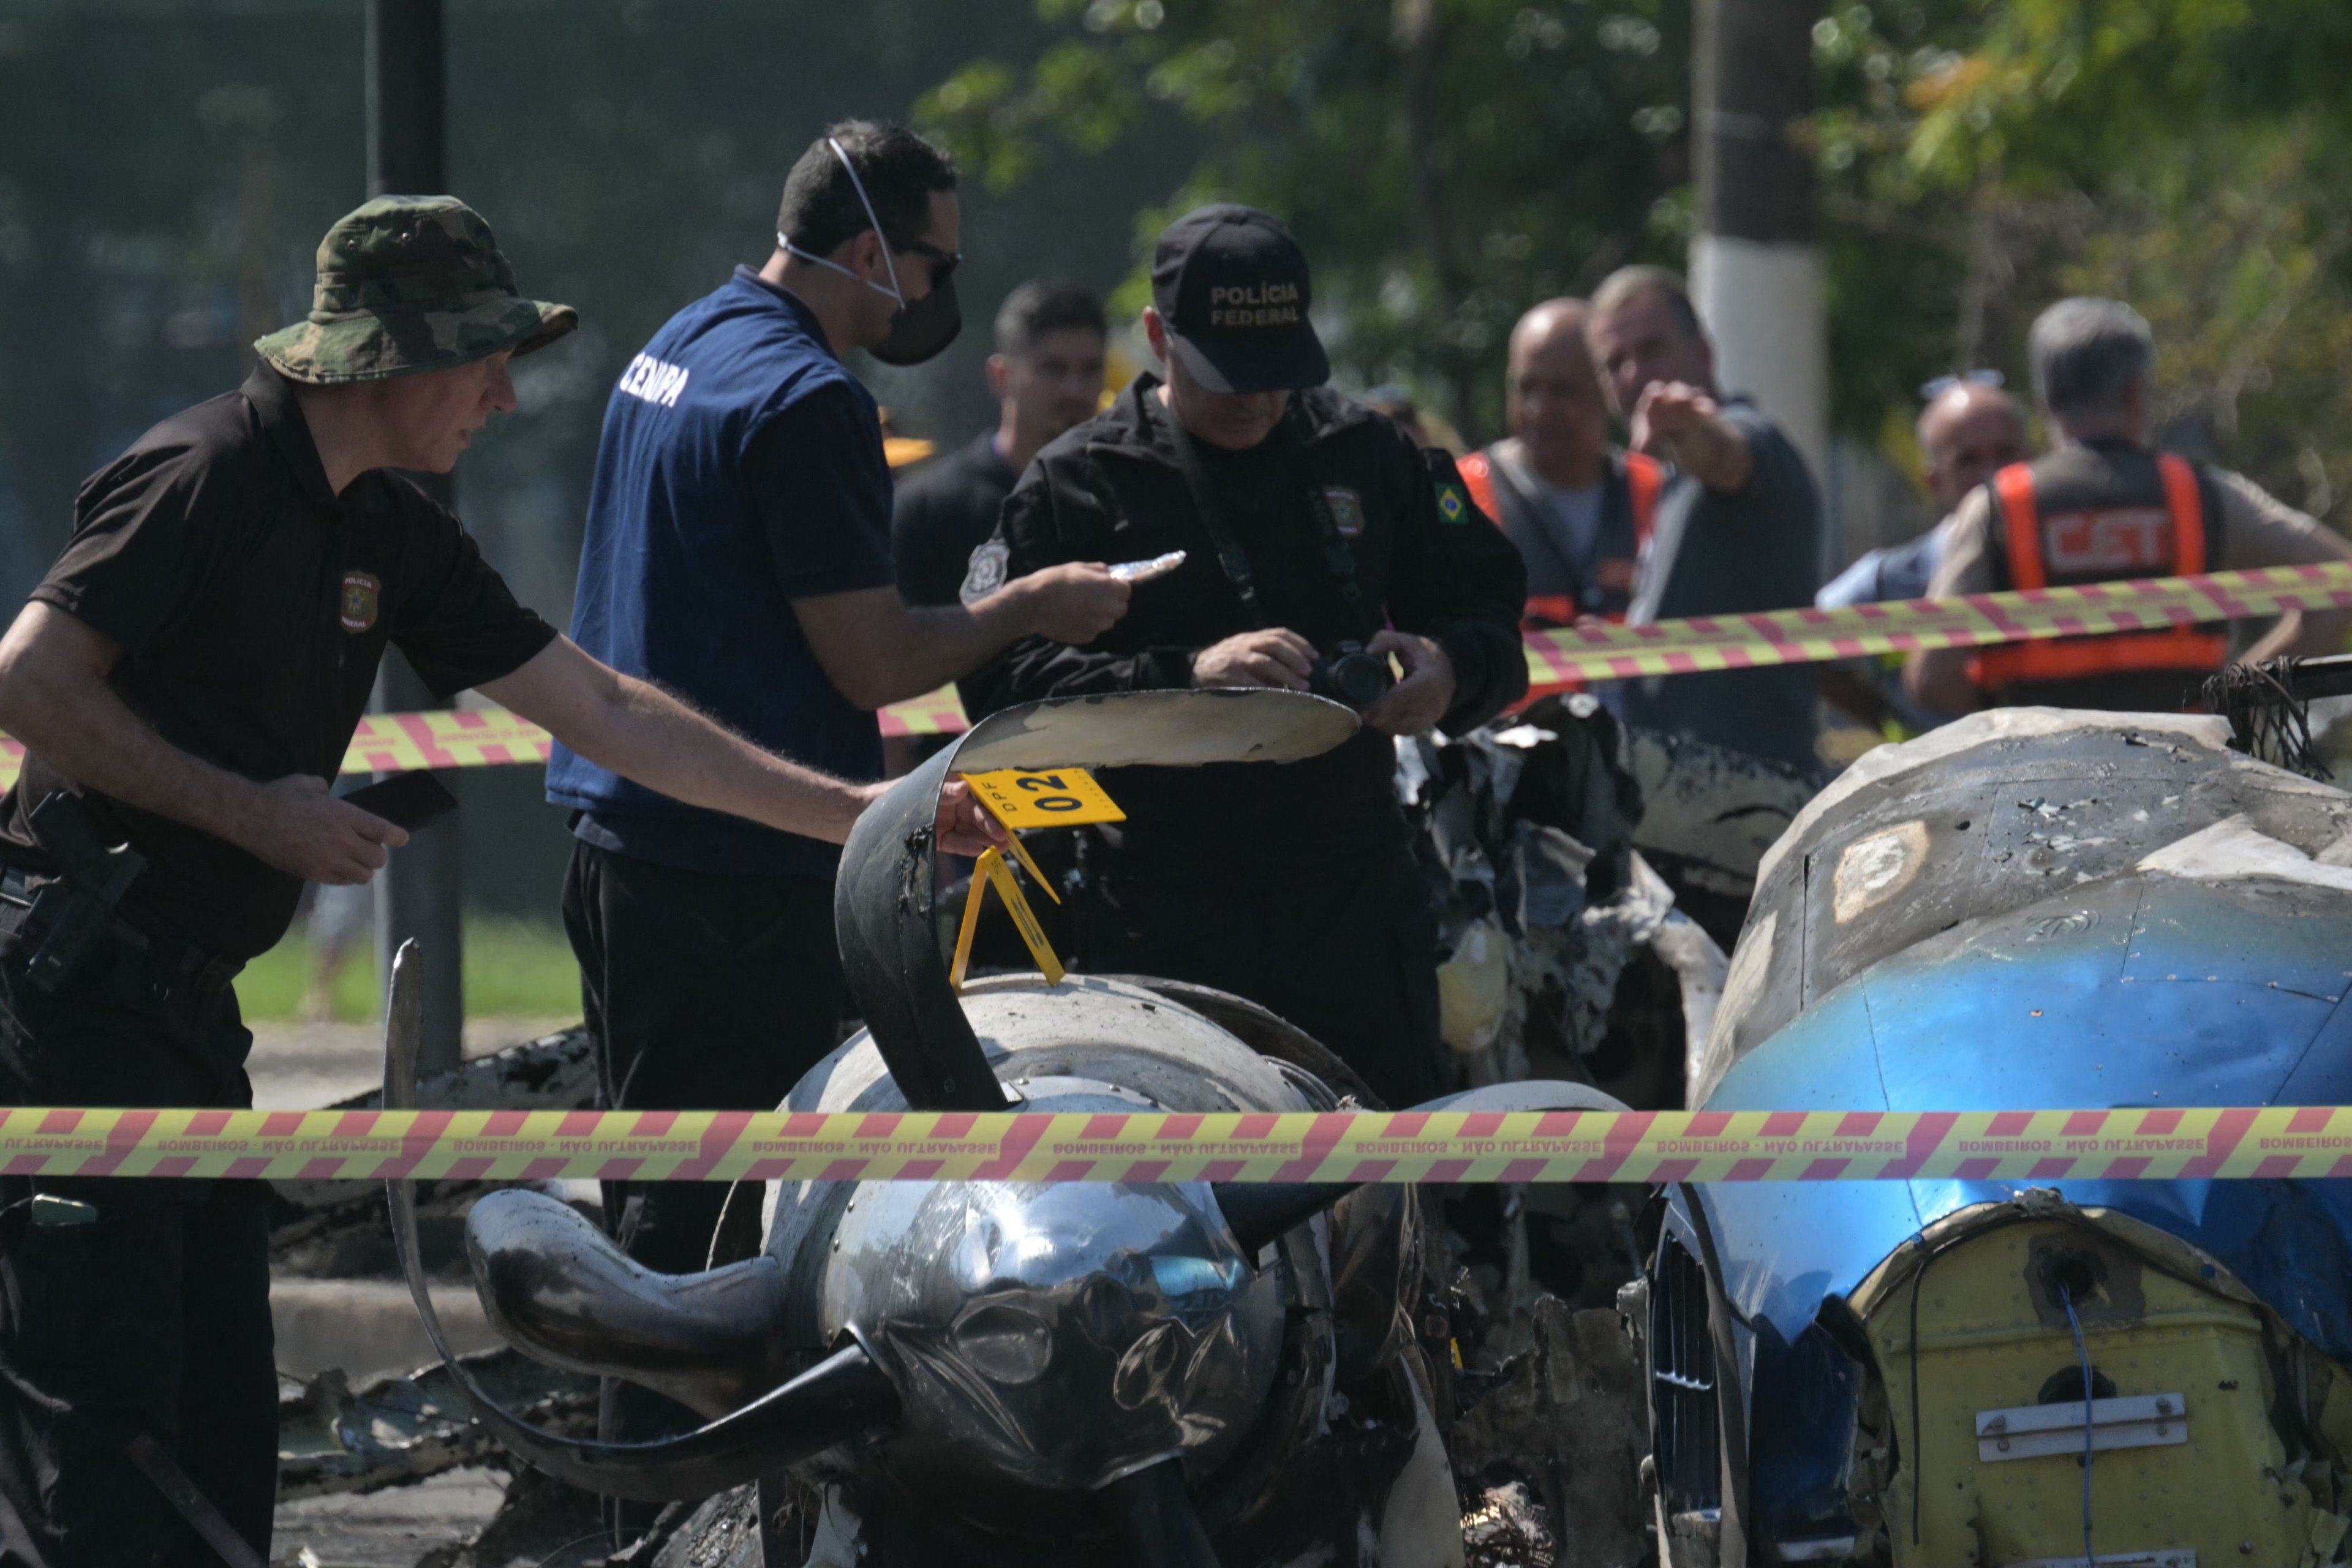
(923, 330)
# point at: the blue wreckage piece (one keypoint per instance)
(2038, 910)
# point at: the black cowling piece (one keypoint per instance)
(1259, 1212)
(883, 905)
(841, 1397)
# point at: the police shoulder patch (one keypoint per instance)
(356, 606)
(985, 576)
(1452, 504)
(1346, 510)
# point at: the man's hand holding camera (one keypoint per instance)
(1275, 656)
(1423, 696)
(1281, 658)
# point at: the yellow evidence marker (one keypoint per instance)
(1019, 798)
(1058, 797)
(991, 872)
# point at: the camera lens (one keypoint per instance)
(1360, 679)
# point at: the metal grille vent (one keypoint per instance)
(1682, 1384)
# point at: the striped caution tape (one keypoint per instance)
(486, 737)
(939, 713)
(492, 737)
(2271, 1143)
(1809, 636)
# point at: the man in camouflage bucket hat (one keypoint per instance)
(409, 284)
(185, 682)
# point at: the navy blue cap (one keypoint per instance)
(1232, 286)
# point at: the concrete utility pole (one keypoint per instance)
(1755, 266)
(420, 894)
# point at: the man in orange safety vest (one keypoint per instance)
(2103, 507)
(1579, 514)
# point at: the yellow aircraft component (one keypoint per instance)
(2184, 1454)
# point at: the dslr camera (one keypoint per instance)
(1351, 676)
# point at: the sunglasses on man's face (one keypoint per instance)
(943, 262)
(1930, 391)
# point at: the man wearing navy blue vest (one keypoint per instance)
(737, 552)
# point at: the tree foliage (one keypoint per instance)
(1448, 163)
(1983, 159)
(1445, 163)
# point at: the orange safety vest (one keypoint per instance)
(1645, 479)
(2100, 545)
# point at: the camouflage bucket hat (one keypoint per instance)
(409, 284)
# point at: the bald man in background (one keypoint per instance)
(1969, 431)
(1578, 511)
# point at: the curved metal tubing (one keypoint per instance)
(887, 896)
(840, 1399)
(557, 1287)
(1528, 1094)
(1259, 1212)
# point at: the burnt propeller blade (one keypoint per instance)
(884, 907)
(1164, 1528)
(885, 897)
(841, 1397)
(1259, 1212)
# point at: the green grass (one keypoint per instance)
(513, 968)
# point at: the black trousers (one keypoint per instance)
(703, 993)
(154, 1319)
(1345, 950)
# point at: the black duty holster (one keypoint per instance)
(58, 922)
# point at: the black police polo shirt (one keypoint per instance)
(252, 606)
(942, 515)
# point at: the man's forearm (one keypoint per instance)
(651, 738)
(1937, 680)
(946, 642)
(878, 649)
(1490, 670)
(76, 723)
(2305, 633)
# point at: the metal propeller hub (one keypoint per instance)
(1053, 1338)
(1056, 1337)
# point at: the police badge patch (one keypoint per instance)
(1346, 510)
(986, 573)
(356, 608)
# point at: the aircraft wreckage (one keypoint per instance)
(2028, 909)
(2025, 910)
(1016, 1373)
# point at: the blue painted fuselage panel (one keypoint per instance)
(2201, 994)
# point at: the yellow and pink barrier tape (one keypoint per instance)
(490, 737)
(2139, 1144)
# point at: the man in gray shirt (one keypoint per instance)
(1738, 527)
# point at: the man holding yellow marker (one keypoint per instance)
(185, 683)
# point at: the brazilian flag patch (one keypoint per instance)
(1452, 504)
